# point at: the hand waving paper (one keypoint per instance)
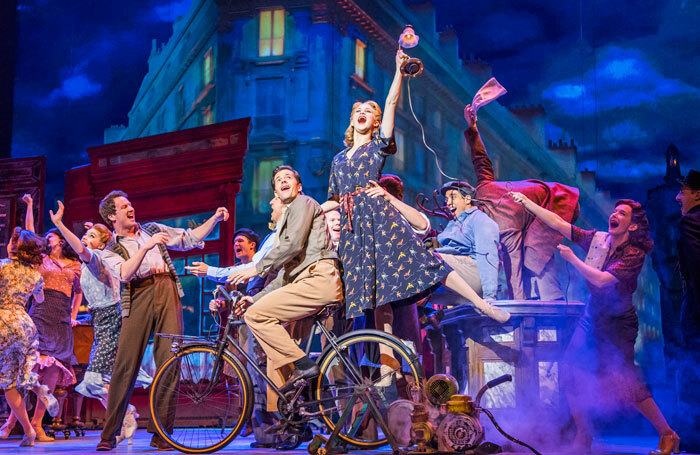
(490, 91)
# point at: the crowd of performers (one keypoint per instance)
(363, 246)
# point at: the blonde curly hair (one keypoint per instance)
(349, 133)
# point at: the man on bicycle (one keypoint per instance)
(308, 279)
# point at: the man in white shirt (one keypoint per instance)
(150, 301)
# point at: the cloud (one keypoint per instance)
(624, 79)
(75, 87)
(624, 169)
(170, 11)
(624, 132)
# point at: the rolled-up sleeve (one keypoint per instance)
(180, 239)
(582, 237)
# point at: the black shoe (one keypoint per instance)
(106, 446)
(159, 444)
(297, 375)
(262, 445)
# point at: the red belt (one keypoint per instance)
(347, 200)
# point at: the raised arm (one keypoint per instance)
(57, 218)
(551, 219)
(483, 167)
(29, 217)
(387, 127)
(201, 232)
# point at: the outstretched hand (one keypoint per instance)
(520, 198)
(566, 253)
(198, 269)
(221, 214)
(58, 216)
(242, 276)
(470, 115)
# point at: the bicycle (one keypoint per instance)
(362, 372)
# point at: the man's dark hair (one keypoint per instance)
(107, 206)
(464, 188)
(284, 167)
(393, 184)
(250, 235)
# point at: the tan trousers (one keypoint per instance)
(313, 289)
(466, 268)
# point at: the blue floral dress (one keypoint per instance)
(383, 261)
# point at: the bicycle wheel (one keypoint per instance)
(379, 361)
(206, 414)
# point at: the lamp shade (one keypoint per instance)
(408, 38)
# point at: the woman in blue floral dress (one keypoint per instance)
(383, 261)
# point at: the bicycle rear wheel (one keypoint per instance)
(365, 357)
(206, 414)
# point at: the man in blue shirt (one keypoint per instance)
(469, 243)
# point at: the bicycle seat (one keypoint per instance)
(328, 310)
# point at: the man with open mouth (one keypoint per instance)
(150, 301)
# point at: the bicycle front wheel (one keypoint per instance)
(195, 411)
(377, 361)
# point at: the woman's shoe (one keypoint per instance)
(496, 313)
(28, 440)
(52, 406)
(669, 443)
(41, 435)
(5, 431)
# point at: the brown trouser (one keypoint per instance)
(314, 288)
(155, 305)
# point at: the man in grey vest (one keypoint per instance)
(150, 301)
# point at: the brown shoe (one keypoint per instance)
(159, 444)
(105, 446)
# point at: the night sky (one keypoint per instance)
(619, 77)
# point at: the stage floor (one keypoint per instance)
(610, 446)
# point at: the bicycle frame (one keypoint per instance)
(224, 341)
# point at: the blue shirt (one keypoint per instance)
(220, 274)
(476, 235)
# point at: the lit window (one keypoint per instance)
(262, 191)
(271, 32)
(208, 67)
(208, 115)
(360, 58)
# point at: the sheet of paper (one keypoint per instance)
(490, 91)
